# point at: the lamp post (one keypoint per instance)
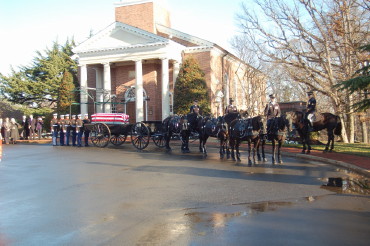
(147, 99)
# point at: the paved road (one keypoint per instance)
(118, 196)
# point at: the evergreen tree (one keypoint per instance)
(40, 82)
(191, 85)
(360, 83)
(65, 97)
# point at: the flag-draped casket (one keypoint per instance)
(110, 118)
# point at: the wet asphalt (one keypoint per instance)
(120, 196)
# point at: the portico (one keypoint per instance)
(103, 59)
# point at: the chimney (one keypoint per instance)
(143, 14)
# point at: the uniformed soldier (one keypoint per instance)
(310, 109)
(79, 130)
(73, 129)
(86, 131)
(272, 110)
(67, 128)
(61, 130)
(231, 108)
(55, 128)
(195, 107)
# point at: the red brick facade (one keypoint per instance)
(225, 74)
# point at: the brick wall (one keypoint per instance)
(137, 15)
(143, 16)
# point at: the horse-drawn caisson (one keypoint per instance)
(114, 128)
(231, 130)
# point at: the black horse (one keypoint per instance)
(277, 132)
(173, 125)
(327, 121)
(192, 126)
(228, 118)
(245, 130)
(213, 127)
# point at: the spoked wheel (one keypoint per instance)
(140, 135)
(118, 140)
(100, 135)
(159, 141)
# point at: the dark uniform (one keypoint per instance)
(231, 108)
(73, 129)
(26, 129)
(195, 107)
(61, 130)
(86, 131)
(67, 128)
(272, 110)
(55, 128)
(79, 130)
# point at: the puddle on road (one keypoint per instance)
(352, 184)
(220, 218)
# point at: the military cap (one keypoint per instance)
(74, 116)
(62, 116)
(67, 115)
(310, 93)
(79, 115)
(272, 95)
(86, 115)
(231, 100)
(55, 114)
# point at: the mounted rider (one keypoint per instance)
(231, 108)
(272, 110)
(195, 107)
(310, 109)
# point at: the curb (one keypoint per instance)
(346, 165)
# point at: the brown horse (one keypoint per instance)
(328, 121)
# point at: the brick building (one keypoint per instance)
(131, 66)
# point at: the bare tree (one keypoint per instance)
(314, 41)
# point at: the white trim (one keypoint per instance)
(183, 36)
(122, 48)
(152, 38)
(197, 49)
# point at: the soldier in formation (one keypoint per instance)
(67, 129)
(55, 128)
(79, 130)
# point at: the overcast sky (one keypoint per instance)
(30, 25)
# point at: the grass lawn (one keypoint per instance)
(360, 149)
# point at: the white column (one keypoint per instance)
(176, 70)
(139, 91)
(83, 90)
(99, 87)
(165, 89)
(107, 88)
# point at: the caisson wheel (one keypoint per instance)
(100, 135)
(140, 135)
